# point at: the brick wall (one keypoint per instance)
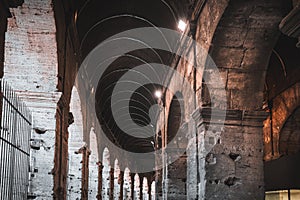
(31, 69)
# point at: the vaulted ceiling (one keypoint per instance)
(254, 25)
(98, 20)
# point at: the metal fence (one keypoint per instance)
(14, 145)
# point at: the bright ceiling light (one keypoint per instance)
(182, 25)
(158, 94)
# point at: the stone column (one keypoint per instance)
(112, 178)
(137, 187)
(61, 150)
(121, 182)
(145, 189)
(100, 168)
(176, 173)
(84, 171)
(195, 151)
(153, 191)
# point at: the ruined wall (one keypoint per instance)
(234, 167)
(241, 48)
(238, 47)
(31, 70)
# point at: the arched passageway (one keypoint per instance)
(220, 162)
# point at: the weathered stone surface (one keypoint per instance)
(230, 37)
(235, 57)
(31, 69)
(238, 166)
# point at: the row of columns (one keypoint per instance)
(123, 185)
(103, 180)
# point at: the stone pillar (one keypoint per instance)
(195, 151)
(137, 187)
(145, 189)
(234, 155)
(153, 190)
(100, 168)
(112, 178)
(61, 150)
(176, 173)
(84, 171)
(165, 181)
(121, 182)
(127, 193)
(116, 180)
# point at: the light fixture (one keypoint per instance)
(182, 25)
(158, 94)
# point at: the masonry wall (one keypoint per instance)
(234, 167)
(31, 69)
(241, 47)
(4, 13)
(237, 38)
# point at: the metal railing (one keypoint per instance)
(14, 145)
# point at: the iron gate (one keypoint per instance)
(14, 145)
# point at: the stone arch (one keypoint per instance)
(281, 95)
(176, 116)
(283, 106)
(75, 142)
(242, 54)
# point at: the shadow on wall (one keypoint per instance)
(282, 173)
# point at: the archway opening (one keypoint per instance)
(177, 171)
(289, 142)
